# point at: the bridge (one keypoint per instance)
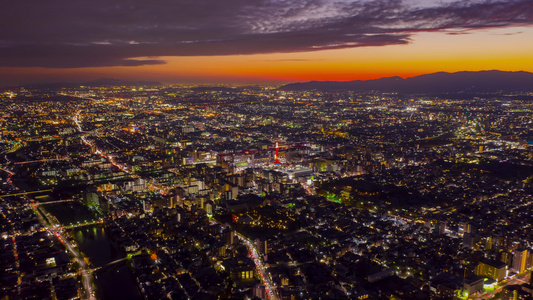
(26, 193)
(109, 264)
(82, 224)
(41, 160)
(53, 202)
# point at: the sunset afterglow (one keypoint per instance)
(435, 36)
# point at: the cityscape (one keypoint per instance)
(266, 150)
(194, 192)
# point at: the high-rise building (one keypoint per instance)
(469, 240)
(442, 227)
(260, 291)
(261, 246)
(464, 227)
(277, 154)
(506, 257)
(519, 260)
(529, 261)
(230, 236)
(514, 292)
(489, 243)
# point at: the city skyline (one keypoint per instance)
(270, 41)
(265, 150)
(136, 191)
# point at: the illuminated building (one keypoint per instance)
(519, 260)
(442, 227)
(464, 228)
(473, 284)
(277, 154)
(492, 269)
(514, 292)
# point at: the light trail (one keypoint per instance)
(7, 171)
(263, 273)
(86, 273)
(77, 121)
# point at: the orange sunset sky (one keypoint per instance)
(506, 46)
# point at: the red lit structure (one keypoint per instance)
(277, 154)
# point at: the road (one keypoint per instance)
(85, 271)
(263, 273)
(519, 279)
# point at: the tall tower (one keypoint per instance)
(277, 154)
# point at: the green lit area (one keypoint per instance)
(334, 198)
(462, 294)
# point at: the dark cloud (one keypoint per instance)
(509, 33)
(293, 60)
(92, 33)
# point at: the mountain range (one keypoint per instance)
(459, 84)
(435, 83)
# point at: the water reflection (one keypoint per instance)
(113, 282)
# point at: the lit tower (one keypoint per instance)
(277, 154)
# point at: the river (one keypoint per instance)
(115, 282)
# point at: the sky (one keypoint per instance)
(259, 41)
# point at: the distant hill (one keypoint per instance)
(436, 83)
